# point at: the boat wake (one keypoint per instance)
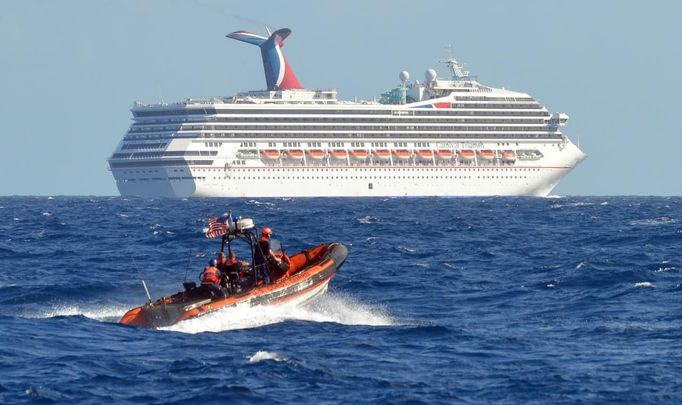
(334, 308)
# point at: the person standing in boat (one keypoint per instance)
(210, 279)
(264, 257)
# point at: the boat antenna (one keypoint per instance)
(146, 290)
(149, 297)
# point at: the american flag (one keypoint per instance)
(217, 226)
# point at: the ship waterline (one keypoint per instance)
(443, 137)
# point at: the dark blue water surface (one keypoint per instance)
(570, 299)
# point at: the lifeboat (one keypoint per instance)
(307, 276)
(467, 154)
(424, 153)
(402, 153)
(270, 154)
(486, 154)
(316, 154)
(381, 154)
(339, 153)
(359, 154)
(508, 155)
(295, 154)
(444, 154)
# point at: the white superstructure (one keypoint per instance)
(442, 137)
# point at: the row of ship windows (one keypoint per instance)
(408, 128)
(525, 169)
(203, 178)
(370, 177)
(383, 111)
(136, 128)
(446, 135)
(470, 116)
(152, 155)
(403, 118)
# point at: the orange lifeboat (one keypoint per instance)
(316, 153)
(467, 154)
(424, 153)
(295, 154)
(509, 155)
(359, 154)
(381, 154)
(403, 153)
(444, 154)
(270, 154)
(486, 154)
(339, 153)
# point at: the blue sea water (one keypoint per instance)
(567, 299)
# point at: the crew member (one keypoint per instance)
(264, 256)
(210, 279)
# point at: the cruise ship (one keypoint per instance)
(443, 136)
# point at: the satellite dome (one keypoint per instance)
(404, 76)
(430, 75)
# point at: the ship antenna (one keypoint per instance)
(268, 30)
(456, 68)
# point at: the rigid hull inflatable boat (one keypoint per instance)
(307, 277)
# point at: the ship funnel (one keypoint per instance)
(278, 73)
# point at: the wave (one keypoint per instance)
(98, 313)
(262, 355)
(331, 307)
(653, 221)
(368, 220)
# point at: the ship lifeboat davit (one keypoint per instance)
(294, 154)
(381, 154)
(402, 153)
(467, 154)
(316, 154)
(270, 154)
(444, 154)
(308, 276)
(359, 154)
(486, 154)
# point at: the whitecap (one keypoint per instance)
(16, 219)
(256, 202)
(263, 355)
(122, 215)
(550, 285)
(644, 284)
(554, 196)
(654, 221)
(47, 214)
(50, 198)
(580, 265)
(581, 204)
(665, 269)
(368, 220)
(406, 249)
(604, 203)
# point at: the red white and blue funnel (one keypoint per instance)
(278, 73)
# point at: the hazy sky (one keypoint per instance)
(70, 71)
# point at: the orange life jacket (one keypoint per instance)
(210, 275)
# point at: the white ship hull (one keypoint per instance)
(455, 180)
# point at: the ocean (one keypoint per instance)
(441, 300)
